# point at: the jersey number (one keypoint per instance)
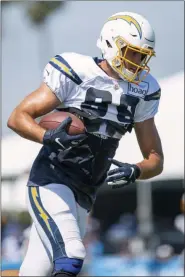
(98, 101)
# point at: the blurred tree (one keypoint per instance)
(3, 2)
(38, 12)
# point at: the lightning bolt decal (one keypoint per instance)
(62, 66)
(129, 19)
(42, 214)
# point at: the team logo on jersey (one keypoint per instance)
(139, 91)
(129, 19)
(116, 86)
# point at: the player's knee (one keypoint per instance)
(75, 249)
(73, 263)
(69, 266)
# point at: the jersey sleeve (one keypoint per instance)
(56, 81)
(146, 110)
(59, 76)
(148, 107)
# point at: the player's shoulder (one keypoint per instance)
(148, 89)
(75, 57)
(154, 89)
(83, 67)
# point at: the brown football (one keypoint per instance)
(53, 120)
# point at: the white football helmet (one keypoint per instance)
(133, 31)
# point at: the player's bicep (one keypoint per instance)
(39, 102)
(148, 138)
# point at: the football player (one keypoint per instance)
(111, 95)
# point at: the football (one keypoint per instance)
(53, 120)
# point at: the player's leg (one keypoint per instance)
(54, 211)
(38, 261)
(82, 217)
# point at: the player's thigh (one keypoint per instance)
(82, 215)
(37, 261)
(53, 208)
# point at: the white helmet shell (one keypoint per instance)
(126, 29)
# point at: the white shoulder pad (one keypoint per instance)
(67, 70)
(59, 77)
(84, 66)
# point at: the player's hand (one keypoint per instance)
(123, 175)
(59, 138)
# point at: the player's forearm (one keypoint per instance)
(24, 125)
(151, 167)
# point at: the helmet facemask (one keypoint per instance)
(119, 62)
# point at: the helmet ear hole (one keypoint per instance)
(108, 44)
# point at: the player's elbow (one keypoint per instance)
(13, 119)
